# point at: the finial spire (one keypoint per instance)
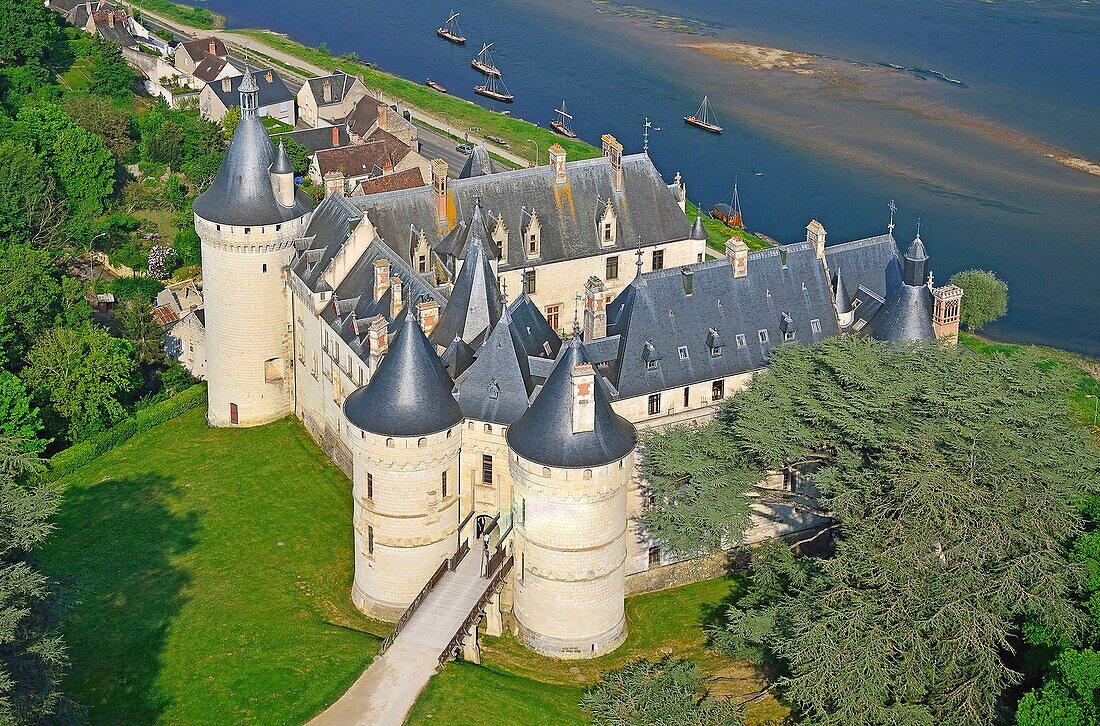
(576, 310)
(918, 227)
(893, 208)
(504, 292)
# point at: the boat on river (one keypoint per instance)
(483, 63)
(495, 89)
(434, 85)
(704, 119)
(561, 125)
(450, 30)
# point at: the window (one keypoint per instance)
(523, 511)
(763, 335)
(488, 428)
(443, 485)
(654, 404)
(530, 282)
(658, 259)
(233, 413)
(273, 370)
(422, 263)
(612, 271)
(718, 390)
(715, 352)
(740, 340)
(546, 348)
(370, 540)
(370, 485)
(654, 556)
(687, 392)
(278, 227)
(587, 475)
(683, 351)
(553, 313)
(815, 326)
(265, 268)
(608, 233)
(248, 230)
(789, 335)
(533, 243)
(487, 470)
(389, 443)
(651, 365)
(421, 442)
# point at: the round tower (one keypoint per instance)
(248, 220)
(404, 434)
(572, 458)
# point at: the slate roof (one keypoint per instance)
(410, 394)
(544, 434)
(498, 385)
(318, 138)
(339, 85)
(842, 301)
(210, 66)
(366, 159)
(241, 193)
(407, 179)
(456, 242)
(270, 92)
(198, 48)
(648, 213)
(458, 357)
(331, 225)
(474, 306)
(477, 163)
(698, 231)
(906, 316)
(282, 164)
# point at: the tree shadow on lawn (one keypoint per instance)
(113, 554)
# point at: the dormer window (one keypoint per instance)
(606, 224)
(500, 236)
(683, 352)
(651, 365)
(533, 236)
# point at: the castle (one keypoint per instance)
(383, 323)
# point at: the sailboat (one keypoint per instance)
(483, 63)
(704, 119)
(494, 88)
(561, 123)
(450, 30)
(730, 214)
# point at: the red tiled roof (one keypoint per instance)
(164, 315)
(366, 158)
(407, 179)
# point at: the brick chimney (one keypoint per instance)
(110, 19)
(439, 183)
(557, 164)
(395, 297)
(326, 90)
(213, 46)
(737, 253)
(584, 404)
(269, 77)
(595, 312)
(334, 184)
(335, 136)
(815, 235)
(383, 111)
(613, 150)
(427, 312)
(381, 278)
(387, 166)
(377, 337)
(947, 302)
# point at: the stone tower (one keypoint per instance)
(248, 220)
(572, 459)
(404, 433)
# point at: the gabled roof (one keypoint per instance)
(474, 306)
(114, 25)
(318, 138)
(329, 228)
(407, 179)
(199, 48)
(339, 85)
(457, 358)
(545, 435)
(532, 331)
(477, 163)
(363, 116)
(270, 91)
(241, 193)
(211, 66)
(410, 394)
(369, 158)
(456, 242)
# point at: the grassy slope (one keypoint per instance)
(522, 687)
(208, 572)
(186, 14)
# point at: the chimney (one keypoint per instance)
(326, 90)
(687, 278)
(737, 252)
(584, 404)
(947, 301)
(557, 164)
(613, 150)
(335, 136)
(227, 85)
(110, 19)
(334, 184)
(383, 111)
(427, 312)
(815, 235)
(381, 278)
(269, 77)
(213, 46)
(595, 309)
(439, 182)
(378, 340)
(387, 166)
(395, 297)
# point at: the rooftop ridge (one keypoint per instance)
(859, 243)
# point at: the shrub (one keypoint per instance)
(135, 288)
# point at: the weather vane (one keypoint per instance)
(647, 127)
(893, 208)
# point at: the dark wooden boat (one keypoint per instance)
(561, 125)
(703, 119)
(497, 140)
(483, 63)
(432, 84)
(495, 89)
(450, 30)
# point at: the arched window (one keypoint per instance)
(422, 442)
(488, 428)
(546, 471)
(389, 442)
(587, 474)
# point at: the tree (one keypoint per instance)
(110, 75)
(18, 418)
(657, 693)
(954, 483)
(83, 375)
(113, 125)
(299, 155)
(985, 298)
(143, 332)
(188, 246)
(30, 301)
(230, 120)
(27, 31)
(32, 655)
(31, 210)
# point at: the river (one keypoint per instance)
(956, 109)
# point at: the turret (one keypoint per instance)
(842, 301)
(404, 435)
(247, 220)
(572, 460)
(914, 269)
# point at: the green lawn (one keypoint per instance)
(718, 232)
(207, 574)
(523, 687)
(186, 14)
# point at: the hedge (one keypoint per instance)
(66, 462)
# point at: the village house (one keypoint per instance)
(274, 98)
(379, 155)
(178, 309)
(328, 100)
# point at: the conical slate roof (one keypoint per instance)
(282, 163)
(497, 387)
(906, 316)
(477, 163)
(545, 434)
(842, 300)
(458, 357)
(698, 231)
(410, 394)
(915, 264)
(241, 194)
(474, 306)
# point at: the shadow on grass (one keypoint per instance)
(113, 554)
